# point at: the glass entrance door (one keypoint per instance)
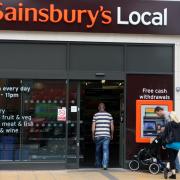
(73, 124)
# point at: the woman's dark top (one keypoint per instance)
(175, 129)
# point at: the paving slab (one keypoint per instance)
(80, 174)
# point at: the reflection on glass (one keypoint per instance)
(9, 111)
(44, 138)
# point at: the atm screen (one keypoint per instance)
(150, 126)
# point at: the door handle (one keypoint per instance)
(122, 119)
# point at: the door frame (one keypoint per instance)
(77, 138)
(78, 120)
(122, 126)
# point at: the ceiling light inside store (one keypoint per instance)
(38, 85)
(103, 81)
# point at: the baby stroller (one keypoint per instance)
(147, 159)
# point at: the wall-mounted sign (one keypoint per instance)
(117, 16)
(74, 108)
(61, 114)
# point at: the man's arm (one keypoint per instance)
(112, 129)
(93, 129)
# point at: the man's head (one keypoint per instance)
(159, 111)
(101, 107)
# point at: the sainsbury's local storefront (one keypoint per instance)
(60, 59)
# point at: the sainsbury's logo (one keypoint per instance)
(55, 15)
(89, 18)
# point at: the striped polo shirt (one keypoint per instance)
(103, 124)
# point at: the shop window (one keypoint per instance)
(10, 111)
(30, 128)
(44, 138)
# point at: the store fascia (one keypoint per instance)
(44, 15)
(93, 18)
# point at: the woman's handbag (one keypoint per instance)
(170, 135)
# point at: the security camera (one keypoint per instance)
(177, 89)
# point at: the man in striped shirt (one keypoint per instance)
(102, 133)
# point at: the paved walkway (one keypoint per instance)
(85, 174)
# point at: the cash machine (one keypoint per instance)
(147, 121)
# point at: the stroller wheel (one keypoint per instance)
(154, 168)
(134, 165)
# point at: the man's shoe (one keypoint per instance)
(173, 176)
(105, 168)
(165, 173)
